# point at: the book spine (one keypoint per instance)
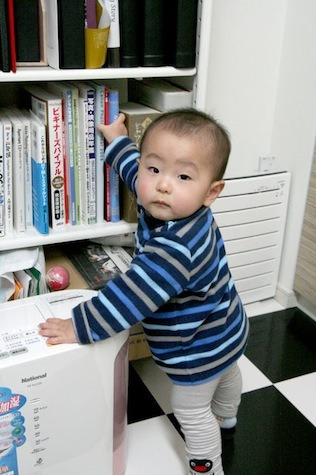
(113, 46)
(76, 153)
(65, 163)
(70, 149)
(83, 136)
(18, 176)
(52, 33)
(27, 31)
(8, 188)
(153, 33)
(12, 46)
(39, 177)
(56, 165)
(4, 38)
(2, 196)
(107, 211)
(114, 176)
(129, 28)
(99, 152)
(71, 25)
(28, 172)
(182, 23)
(91, 208)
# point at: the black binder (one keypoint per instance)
(129, 33)
(182, 24)
(71, 25)
(27, 31)
(4, 39)
(152, 37)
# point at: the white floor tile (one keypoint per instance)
(252, 377)
(154, 447)
(301, 392)
(156, 381)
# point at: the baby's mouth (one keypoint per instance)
(162, 204)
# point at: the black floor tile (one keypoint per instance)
(141, 404)
(272, 438)
(282, 344)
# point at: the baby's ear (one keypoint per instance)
(215, 189)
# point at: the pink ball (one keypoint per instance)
(57, 278)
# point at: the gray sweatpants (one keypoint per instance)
(197, 408)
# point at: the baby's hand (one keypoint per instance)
(114, 130)
(58, 331)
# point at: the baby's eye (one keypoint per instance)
(153, 170)
(184, 177)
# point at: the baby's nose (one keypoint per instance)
(164, 184)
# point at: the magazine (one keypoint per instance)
(96, 263)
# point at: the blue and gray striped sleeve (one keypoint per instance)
(121, 154)
(161, 272)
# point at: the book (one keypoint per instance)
(64, 92)
(26, 150)
(39, 175)
(114, 179)
(107, 215)
(181, 35)
(48, 108)
(52, 33)
(18, 174)
(96, 263)
(91, 14)
(129, 28)
(2, 196)
(137, 119)
(113, 46)
(99, 89)
(87, 153)
(4, 38)
(71, 37)
(153, 14)
(159, 94)
(27, 30)
(76, 148)
(8, 174)
(11, 28)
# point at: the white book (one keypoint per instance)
(8, 174)
(87, 153)
(18, 174)
(52, 33)
(2, 197)
(26, 132)
(64, 92)
(48, 108)
(159, 94)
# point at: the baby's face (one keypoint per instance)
(174, 177)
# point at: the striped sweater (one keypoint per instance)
(180, 287)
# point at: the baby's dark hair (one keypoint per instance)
(196, 124)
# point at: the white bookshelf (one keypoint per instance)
(39, 74)
(194, 77)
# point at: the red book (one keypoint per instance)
(106, 167)
(11, 35)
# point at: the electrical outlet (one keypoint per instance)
(267, 163)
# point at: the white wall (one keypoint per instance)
(262, 85)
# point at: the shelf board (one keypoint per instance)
(49, 74)
(65, 234)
